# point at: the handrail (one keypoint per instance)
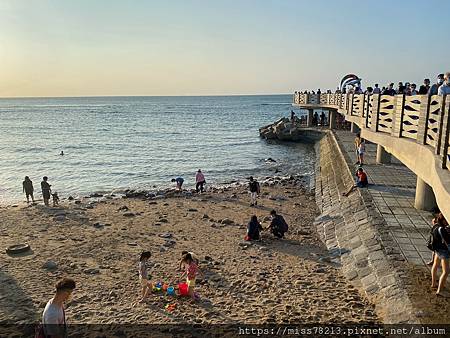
(422, 118)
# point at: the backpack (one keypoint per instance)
(435, 238)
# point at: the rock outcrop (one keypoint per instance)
(283, 130)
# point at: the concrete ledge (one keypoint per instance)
(353, 228)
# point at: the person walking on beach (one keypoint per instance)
(28, 189)
(46, 190)
(253, 229)
(441, 247)
(54, 316)
(356, 143)
(199, 181)
(143, 274)
(278, 225)
(254, 189)
(439, 219)
(179, 181)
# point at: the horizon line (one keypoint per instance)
(93, 96)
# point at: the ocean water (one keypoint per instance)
(115, 143)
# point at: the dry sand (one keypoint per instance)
(282, 281)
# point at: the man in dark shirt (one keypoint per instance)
(45, 187)
(423, 90)
(278, 225)
(434, 88)
(390, 90)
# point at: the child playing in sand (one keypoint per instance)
(191, 271)
(182, 266)
(143, 274)
(55, 199)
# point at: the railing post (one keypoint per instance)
(397, 117)
(445, 132)
(350, 105)
(375, 112)
(422, 125)
(440, 133)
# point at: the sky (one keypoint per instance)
(215, 47)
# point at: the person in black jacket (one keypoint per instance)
(253, 187)
(278, 226)
(441, 242)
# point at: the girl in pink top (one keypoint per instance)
(199, 180)
(191, 273)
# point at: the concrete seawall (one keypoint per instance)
(354, 232)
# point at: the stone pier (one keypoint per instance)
(383, 157)
(424, 199)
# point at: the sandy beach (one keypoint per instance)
(98, 244)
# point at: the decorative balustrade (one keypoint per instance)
(422, 118)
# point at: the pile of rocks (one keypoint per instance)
(283, 130)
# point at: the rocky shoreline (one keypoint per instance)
(97, 241)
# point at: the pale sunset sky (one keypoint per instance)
(215, 47)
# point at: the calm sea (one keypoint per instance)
(114, 143)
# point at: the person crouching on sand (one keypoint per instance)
(278, 225)
(253, 229)
(191, 271)
(143, 274)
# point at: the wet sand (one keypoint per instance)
(98, 244)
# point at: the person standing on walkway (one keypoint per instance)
(445, 88)
(440, 245)
(356, 143)
(361, 151)
(253, 187)
(423, 90)
(28, 189)
(434, 88)
(199, 181)
(46, 190)
(54, 317)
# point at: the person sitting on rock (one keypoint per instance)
(179, 181)
(361, 181)
(253, 229)
(278, 225)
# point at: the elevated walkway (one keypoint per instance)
(414, 129)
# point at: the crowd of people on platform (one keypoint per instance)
(440, 87)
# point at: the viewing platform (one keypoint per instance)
(414, 129)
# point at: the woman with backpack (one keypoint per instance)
(440, 241)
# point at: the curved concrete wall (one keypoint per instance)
(414, 129)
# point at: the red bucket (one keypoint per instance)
(183, 289)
